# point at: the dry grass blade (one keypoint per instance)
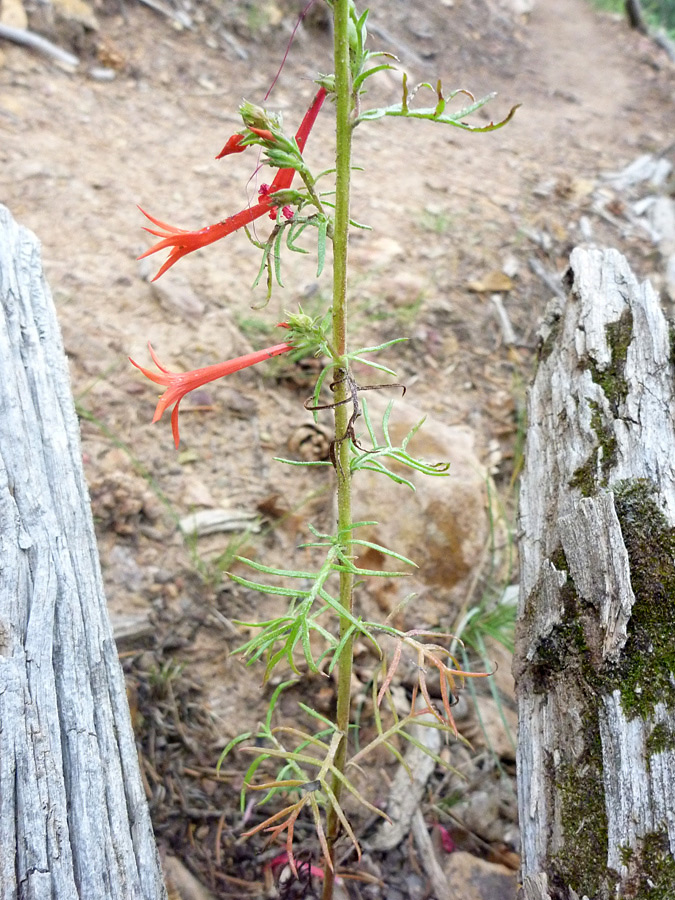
(293, 811)
(429, 655)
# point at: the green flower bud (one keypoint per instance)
(257, 117)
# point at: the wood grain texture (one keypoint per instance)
(595, 648)
(74, 822)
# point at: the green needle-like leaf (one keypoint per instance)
(277, 255)
(368, 72)
(301, 462)
(373, 365)
(321, 245)
(268, 588)
(233, 743)
(273, 570)
(381, 549)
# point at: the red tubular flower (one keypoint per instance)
(178, 384)
(182, 242)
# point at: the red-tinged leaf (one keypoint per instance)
(446, 839)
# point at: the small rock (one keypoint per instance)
(586, 228)
(544, 188)
(181, 883)
(121, 569)
(76, 11)
(13, 14)
(197, 493)
(645, 168)
(164, 576)
(510, 265)
(379, 253)
(102, 73)
(416, 889)
(130, 628)
(175, 295)
(493, 282)
(242, 405)
(518, 7)
(661, 215)
(442, 525)
(487, 729)
(670, 277)
(472, 878)
(214, 521)
(480, 814)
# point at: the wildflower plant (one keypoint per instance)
(317, 630)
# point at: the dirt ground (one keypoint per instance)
(457, 219)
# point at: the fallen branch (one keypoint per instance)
(637, 20)
(508, 334)
(30, 39)
(428, 859)
(177, 15)
(405, 795)
(661, 38)
(550, 279)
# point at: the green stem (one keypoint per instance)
(316, 200)
(343, 90)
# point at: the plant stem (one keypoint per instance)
(343, 90)
(310, 184)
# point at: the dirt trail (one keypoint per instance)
(583, 82)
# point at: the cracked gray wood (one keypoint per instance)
(595, 645)
(74, 821)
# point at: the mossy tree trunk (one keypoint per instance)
(74, 821)
(595, 649)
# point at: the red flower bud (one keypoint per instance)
(232, 146)
(263, 133)
(179, 241)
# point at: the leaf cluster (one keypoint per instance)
(371, 459)
(316, 788)
(278, 638)
(359, 54)
(436, 113)
(289, 231)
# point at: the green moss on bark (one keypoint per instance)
(582, 863)
(546, 346)
(594, 472)
(612, 379)
(600, 461)
(657, 881)
(644, 675)
(646, 670)
(661, 737)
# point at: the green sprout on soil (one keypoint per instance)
(317, 630)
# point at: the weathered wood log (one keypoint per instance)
(74, 821)
(37, 42)
(636, 16)
(595, 649)
(637, 20)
